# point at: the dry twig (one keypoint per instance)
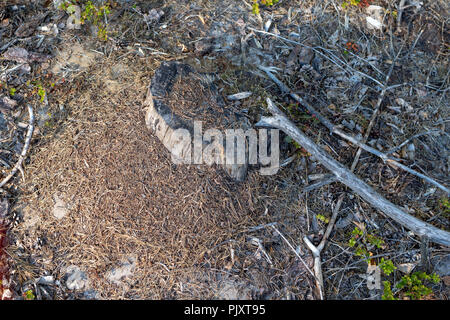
(339, 132)
(18, 166)
(345, 176)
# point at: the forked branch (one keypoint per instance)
(345, 176)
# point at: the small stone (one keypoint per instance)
(446, 280)
(76, 279)
(60, 208)
(334, 37)
(375, 17)
(57, 3)
(349, 124)
(406, 267)
(153, 16)
(55, 30)
(405, 105)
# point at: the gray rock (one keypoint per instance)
(46, 280)
(153, 16)
(442, 267)
(60, 208)
(235, 290)
(91, 295)
(406, 267)
(76, 278)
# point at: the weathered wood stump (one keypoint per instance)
(181, 103)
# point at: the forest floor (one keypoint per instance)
(99, 211)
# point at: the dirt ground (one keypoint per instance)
(101, 212)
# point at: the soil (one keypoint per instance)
(99, 193)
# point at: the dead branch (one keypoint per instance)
(327, 180)
(342, 134)
(317, 267)
(401, 145)
(316, 251)
(345, 176)
(26, 146)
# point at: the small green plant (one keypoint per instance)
(322, 218)
(387, 292)
(364, 242)
(37, 88)
(445, 206)
(415, 286)
(387, 266)
(393, 13)
(41, 93)
(299, 150)
(256, 3)
(299, 115)
(28, 295)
